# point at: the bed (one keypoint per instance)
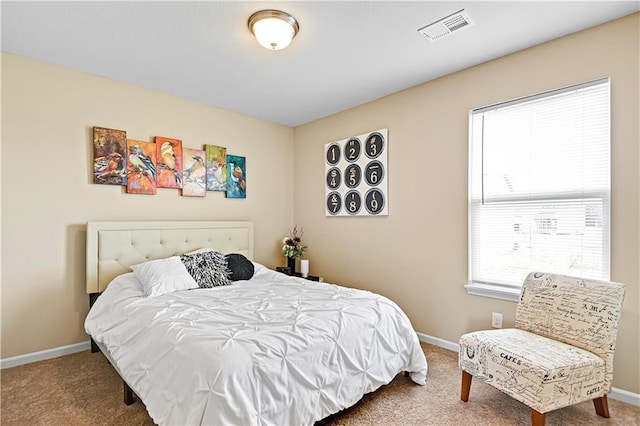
(271, 349)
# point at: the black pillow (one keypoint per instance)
(240, 267)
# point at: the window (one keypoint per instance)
(539, 188)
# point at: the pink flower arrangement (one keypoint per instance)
(292, 245)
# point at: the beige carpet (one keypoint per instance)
(83, 389)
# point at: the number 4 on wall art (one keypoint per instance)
(356, 177)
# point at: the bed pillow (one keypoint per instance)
(163, 276)
(240, 267)
(200, 250)
(208, 268)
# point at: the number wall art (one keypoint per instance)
(356, 175)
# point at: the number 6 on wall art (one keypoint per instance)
(356, 176)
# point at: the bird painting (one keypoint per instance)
(238, 177)
(236, 180)
(141, 167)
(216, 162)
(194, 174)
(169, 156)
(109, 156)
(109, 168)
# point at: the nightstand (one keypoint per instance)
(285, 270)
(309, 277)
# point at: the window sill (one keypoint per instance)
(493, 291)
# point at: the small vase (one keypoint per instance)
(291, 263)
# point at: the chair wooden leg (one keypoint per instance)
(602, 406)
(537, 419)
(466, 386)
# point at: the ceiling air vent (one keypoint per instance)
(445, 26)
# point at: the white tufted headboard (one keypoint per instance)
(112, 247)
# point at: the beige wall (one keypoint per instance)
(418, 254)
(47, 195)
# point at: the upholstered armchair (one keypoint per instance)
(561, 351)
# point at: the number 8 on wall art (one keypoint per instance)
(356, 177)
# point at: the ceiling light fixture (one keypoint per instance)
(273, 29)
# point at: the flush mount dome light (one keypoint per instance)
(273, 29)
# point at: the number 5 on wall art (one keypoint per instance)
(356, 176)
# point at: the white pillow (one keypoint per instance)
(163, 276)
(258, 267)
(201, 250)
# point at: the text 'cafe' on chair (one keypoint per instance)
(561, 351)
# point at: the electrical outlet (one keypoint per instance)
(496, 320)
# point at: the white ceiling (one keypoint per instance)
(346, 53)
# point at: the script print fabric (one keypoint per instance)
(562, 350)
(270, 350)
(579, 312)
(540, 372)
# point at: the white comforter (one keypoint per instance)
(271, 350)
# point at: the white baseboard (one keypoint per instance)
(42, 355)
(435, 341)
(617, 394)
(625, 396)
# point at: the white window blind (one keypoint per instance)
(539, 188)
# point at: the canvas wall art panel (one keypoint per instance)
(169, 157)
(109, 156)
(141, 167)
(194, 175)
(237, 177)
(357, 176)
(216, 167)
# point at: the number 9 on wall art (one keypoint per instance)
(356, 177)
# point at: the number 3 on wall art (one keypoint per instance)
(356, 175)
